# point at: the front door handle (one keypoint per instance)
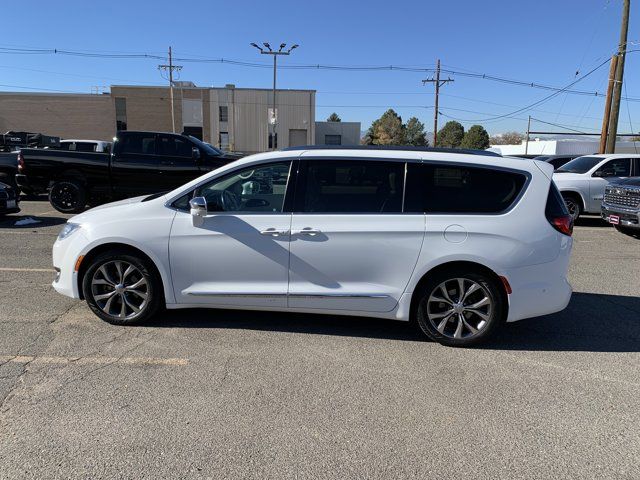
(306, 231)
(274, 233)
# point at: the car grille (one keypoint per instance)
(622, 197)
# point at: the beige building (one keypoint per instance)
(231, 118)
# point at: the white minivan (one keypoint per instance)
(457, 242)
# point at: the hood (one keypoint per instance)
(628, 182)
(231, 156)
(560, 177)
(113, 207)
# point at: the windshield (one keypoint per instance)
(206, 147)
(580, 165)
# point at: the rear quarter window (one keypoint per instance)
(457, 189)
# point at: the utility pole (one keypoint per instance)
(526, 145)
(438, 83)
(275, 54)
(617, 86)
(607, 105)
(171, 67)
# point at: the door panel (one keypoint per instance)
(354, 262)
(229, 261)
(240, 253)
(351, 247)
(135, 168)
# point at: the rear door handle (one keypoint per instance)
(274, 233)
(306, 231)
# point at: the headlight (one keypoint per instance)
(67, 230)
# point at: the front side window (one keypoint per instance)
(450, 188)
(351, 186)
(259, 188)
(174, 146)
(620, 167)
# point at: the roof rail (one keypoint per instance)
(393, 147)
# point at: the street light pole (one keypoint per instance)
(267, 50)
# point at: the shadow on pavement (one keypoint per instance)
(592, 221)
(591, 322)
(21, 221)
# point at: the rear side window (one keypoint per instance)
(555, 204)
(450, 188)
(138, 143)
(351, 186)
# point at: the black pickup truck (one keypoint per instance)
(140, 163)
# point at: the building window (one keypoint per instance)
(273, 144)
(333, 139)
(193, 132)
(223, 113)
(224, 140)
(121, 113)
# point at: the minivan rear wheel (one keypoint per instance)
(122, 289)
(460, 308)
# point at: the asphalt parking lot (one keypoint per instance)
(213, 394)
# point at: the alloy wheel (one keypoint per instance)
(120, 289)
(459, 308)
(572, 207)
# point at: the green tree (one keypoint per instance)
(415, 134)
(386, 130)
(476, 138)
(334, 117)
(450, 136)
(507, 138)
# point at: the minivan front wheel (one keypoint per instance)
(460, 308)
(122, 289)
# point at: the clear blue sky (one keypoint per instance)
(544, 42)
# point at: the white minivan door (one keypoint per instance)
(351, 246)
(239, 254)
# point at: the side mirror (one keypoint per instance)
(605, 172)
(195, 153)
(198, 210)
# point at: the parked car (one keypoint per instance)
(621, 206)
(9, 201)
(459, 243)
(8, 168)
(140, 163)
(10, 143)
(582, 181)
(73, 145)
(556, 160)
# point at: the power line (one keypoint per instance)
(402, 68)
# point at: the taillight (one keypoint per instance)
(20, 162)
(564, 224)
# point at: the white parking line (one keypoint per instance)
(58, 360)
(12, 269)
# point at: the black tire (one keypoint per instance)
(632, 232)
(574, 205)
(68, 196)
(95, 284)
(487, 286)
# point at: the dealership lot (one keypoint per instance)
(209, 394)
